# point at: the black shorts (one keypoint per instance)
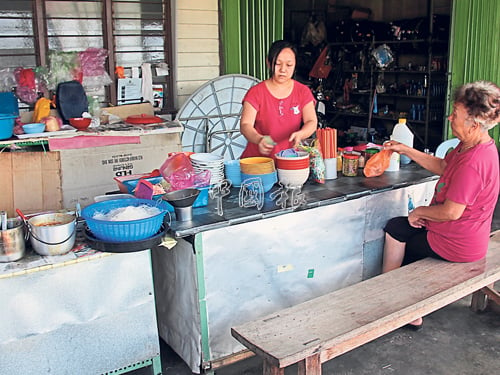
(417, 246)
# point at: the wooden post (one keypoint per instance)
(270, 369)
(310, 366)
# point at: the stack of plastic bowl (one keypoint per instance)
(256, 169)
(205, 161)
(293, 168)
(233, 172)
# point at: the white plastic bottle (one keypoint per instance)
(403, 134)
(393, 163)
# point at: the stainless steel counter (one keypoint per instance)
(315, 194)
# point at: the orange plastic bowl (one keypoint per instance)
(257, 165)
(81, 123)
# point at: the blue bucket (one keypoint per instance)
(6, 125)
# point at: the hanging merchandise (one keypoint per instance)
(92, 62)
(26, 85)
(64, 67)
(383, 56)
(322, 66)
(403, 134)
(314, 32)
(120, 72)
(7, 79)
(147, 83)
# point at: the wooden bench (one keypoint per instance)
(325, 327)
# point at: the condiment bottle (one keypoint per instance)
(350, 165)
(361, 161)
(340, 152)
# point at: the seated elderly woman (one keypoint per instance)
(457, 223)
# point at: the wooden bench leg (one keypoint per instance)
(270, 369)
(310, 366)
(480, 298)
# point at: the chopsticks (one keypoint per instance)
(327, 138)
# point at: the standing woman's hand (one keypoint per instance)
(265, 148)
(295, 139)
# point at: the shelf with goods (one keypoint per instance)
(413, 84)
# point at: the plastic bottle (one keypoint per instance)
(340, 152)
(403, 134)
(95, 111)
(411, 205)
(394, 163)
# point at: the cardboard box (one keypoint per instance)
(89, 172)
(31, 182)
(53, 180)
(59, 179)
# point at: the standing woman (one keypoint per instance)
(279, 107)
(457, 223)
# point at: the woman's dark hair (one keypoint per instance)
(482, 101)
(275, 50)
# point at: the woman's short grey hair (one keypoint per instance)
(482, 101)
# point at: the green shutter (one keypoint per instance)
(248, 29)
(475, 50)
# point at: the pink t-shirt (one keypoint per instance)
(277, 118)
(470, 178)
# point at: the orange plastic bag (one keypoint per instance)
(378, 163)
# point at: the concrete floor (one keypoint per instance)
(454, 341)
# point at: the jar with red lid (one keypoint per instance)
(350, 165)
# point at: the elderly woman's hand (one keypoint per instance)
(395, 146)
(415, 220)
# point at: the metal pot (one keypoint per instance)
(52, 233)
(12, 244)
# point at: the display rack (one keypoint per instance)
(413, 86)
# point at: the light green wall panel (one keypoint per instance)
(248, 29)
(475, 46)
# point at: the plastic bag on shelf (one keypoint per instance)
(178, 171)
(7, 79)
(64, 67)
(92, 62)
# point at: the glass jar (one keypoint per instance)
(350, 165)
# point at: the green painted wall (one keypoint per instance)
(248, 29)
(474, 44)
